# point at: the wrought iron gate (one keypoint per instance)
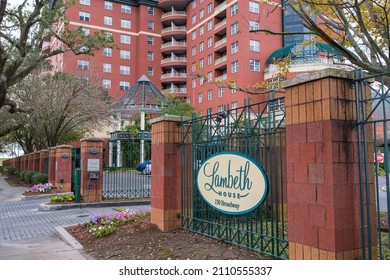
(372, 124)
(121, 179)
(258, 131)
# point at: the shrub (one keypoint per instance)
(21, 174)
(39, 178)
(62, 198)
(11, 170)
(27, 176)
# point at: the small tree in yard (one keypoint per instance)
(58, 108)
(23, 31)
(173, 105)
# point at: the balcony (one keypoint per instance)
(220, 42)
(174, 29)
(221, 78)
(220, 60)
(174, 61)
(174, 46)
(178, 32)
(220, 8)
(168, 4)
(220, 24)
(173, 14)
(174, 76)
(175, 90)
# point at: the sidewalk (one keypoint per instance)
(29, 234)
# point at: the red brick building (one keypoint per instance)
(172, 41)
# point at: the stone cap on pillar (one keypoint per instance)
(171, 118)
(312, 76)
(92, 139)
(64, 146)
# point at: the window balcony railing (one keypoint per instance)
(221, 78)
(220, 8)
(220, 24)
(174, 44)
(174, 59)
(220, 60)
(220, 42)
(173, 13)
(174, 75)
(174, 28)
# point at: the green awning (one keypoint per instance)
(281, 53)
(327, 48)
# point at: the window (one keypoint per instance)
(254, 25)
(126, 9)
(125, 23)
(234, 10)
(201, 30)
(125, 39)
(150, 40)
(201, 63)
(86, 31)
(84, 16)
(234, 87)
(193, 67)
(210, 42)
(200, 98)
(106, 67)
(209, 8)
(209, 59)
(107, 20)
(193, 51)
(220, 92)
(106, 83)
(125, 54)
(235, 66)
(188, 100)
(107, 34)
(194, 19)
(234, 28)
(202, 80)
(210, 76)
(254, 65)
(209, 25)
(108, 5)
(107, 52)
(201, 14)
(210, 94)
(193, 83)
(82, 64)
(201, 47)
(254, 46)
(221, 108)
(194, 4)
(254, 7)
(85, 2)
(124, 70)
(124, 85)
(150, 11)
(150, 55)
(193, 35)
(150, 71)
(234, 47)
(150, 25)
(234, 107)
(209, 111)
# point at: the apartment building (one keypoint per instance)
(184, 47)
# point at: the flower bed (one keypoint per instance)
(62, 199)
(106, 224)
(41, 189)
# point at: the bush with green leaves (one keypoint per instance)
(62, 198)
(27, 176)
(39, 178)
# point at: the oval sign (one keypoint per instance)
(232, 183)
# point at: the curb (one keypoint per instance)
(69, 239)
(55, 207)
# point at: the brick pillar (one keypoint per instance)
(63, 168)
(91, 162)
(30, 161)
(322, 169)
(52, 165)
(36, 162)
(42, 161)
(25, 162)
(166, 173)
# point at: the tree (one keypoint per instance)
(24, 30)
(173, 105)
(58, 109)
(358, 29)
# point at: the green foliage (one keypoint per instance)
(27, 176)
(11, 170)
(39, 178)
(62, 198)
(173, 105)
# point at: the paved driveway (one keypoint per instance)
(26, 233)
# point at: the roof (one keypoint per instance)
(288, 50)
(142, 96)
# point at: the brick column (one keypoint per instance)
(166, 173)
(42, 161)
(30, 162)
(52, 166)
(91, 162)
(63, 168)
(322, 168)
(36, 162)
